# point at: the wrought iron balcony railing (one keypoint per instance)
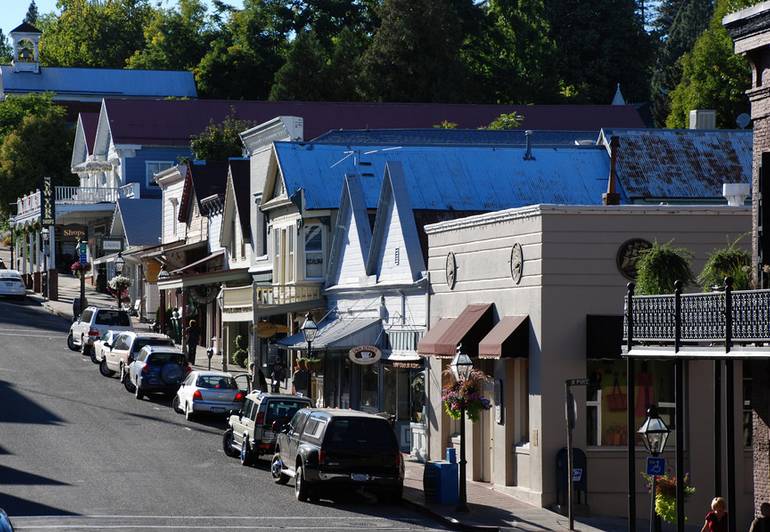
(725, 317)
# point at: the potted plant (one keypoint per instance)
(665, 494)
(660, 266)
(241, 353)
(467, 394)
(731, 261)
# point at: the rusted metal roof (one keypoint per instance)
(680, 164)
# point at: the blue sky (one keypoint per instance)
(13, 11)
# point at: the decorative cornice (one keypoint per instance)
(279, 128)
(747, 22)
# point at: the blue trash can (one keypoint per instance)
(451, 455)
(440, 482)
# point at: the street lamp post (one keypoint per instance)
(309, 331)
(45, 235)
(461, 367)
(654, 432)
(119, 263)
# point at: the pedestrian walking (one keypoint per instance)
(716, 519)
(762, 523)
(301, 378)
(193, 333)
(277, 375)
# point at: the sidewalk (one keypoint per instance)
(492, 510)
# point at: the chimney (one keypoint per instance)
(611, 197)
(735, 193)
(703, 119)
(528, 154)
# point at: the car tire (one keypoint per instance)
(104, 370)
(92, 354)
(276, 470)
(301, 489)
(175, 404)
(71, 343)
(138, 393)
(127, 384)
(247, 457)
(227, 444)
(189, 413)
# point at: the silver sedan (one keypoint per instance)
(213, 392)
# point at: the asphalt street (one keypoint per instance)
(78, 452)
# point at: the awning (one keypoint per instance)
(338, 334)
(402, 359)
(104, 259)
(604, 337)
(187, 281)
(427, 344)
(468, 329)
(204, 260)
(509, 338)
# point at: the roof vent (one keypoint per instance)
(703, 119)
(528, 154)
(735, 193)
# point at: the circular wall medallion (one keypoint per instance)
(517, 263)
(451, 270)
(628, 255)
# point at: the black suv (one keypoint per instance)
(325, 448)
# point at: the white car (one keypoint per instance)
(11, 284)
(92, 324)
(117, 349)
(213, 392)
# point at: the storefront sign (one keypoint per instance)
(112, 245)
(365, 355)
(75, 233)
(47, 203)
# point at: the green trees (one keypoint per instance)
(220, 141)
(32, 13)
(35, 141)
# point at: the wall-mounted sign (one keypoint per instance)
(47, 203)
(451, 270)
(517, 263)
(112, 244)
(629, 254)
(365, 354)
(74, 233)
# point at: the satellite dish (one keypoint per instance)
(743, 120)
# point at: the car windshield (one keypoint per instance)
(139, 343)
(353, 432)
(113, 317)
(283, 409)
(219, 382)
(159, 359)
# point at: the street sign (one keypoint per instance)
(83, 252)
(578, 382)
(656, 466)
(47, 204)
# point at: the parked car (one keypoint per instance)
(326, 449)
(213, 392)
(251, 431)
(12, 285)
(116, 352)
(92, 324)
(5, 522)
(156, 370)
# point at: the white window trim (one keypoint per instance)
(148, 177)
(305, 228)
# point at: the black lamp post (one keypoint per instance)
(119, 263)
(654, 432)
(309, 331)
(45, 235)
(461, 367)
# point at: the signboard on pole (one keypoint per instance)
(656, 466)
(47, 203)
(83, 252)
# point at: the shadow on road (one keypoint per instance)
(12, 476)
(20, 408)
(18, 507)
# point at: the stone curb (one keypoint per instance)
(451, 522)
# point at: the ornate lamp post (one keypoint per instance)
(119, 263)
(654, 432)
(309, 331)
(461, 367)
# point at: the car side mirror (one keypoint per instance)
(108, 345)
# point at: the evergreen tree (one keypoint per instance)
(598, 47)
(32, 13)
(219, 141)
(6, 50)
(679, 24)
(304, 74)
(713, 76)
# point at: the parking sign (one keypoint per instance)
(656, 466)
(83, 252)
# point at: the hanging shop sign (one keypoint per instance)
(47, 203)
(76, 232)
(112, 244)
(365, 355)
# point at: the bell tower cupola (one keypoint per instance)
(26, 48)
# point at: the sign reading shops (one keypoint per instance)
(47, 203)
(365, 355)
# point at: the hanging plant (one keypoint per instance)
(466, 393)
(731, 261)
(665, 495)
(78, 269)
(660, 266)
(119, 283)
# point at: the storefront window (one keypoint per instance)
(606, 398)
(369, 381)
(396, 392)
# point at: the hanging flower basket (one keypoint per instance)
(665, 495)
(79, 269)
(119, 283)
(466, 394)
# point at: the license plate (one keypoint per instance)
(217, 409)
(359, 477)
(268, 435)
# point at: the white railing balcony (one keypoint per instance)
(286, 294)
(86, 195)
(29, 203)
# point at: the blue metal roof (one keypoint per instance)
(100, 82)
(142, 219)
(685, 164)
(453, 137)
(441, 178)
